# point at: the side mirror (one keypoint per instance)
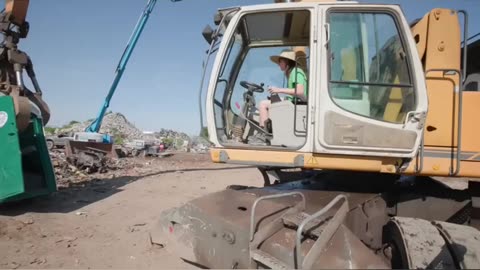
(208, 34)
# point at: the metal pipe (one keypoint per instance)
(465, 36)
(268, 197)
(19, 76)
(298, 241)
(419, 167)
(36, 86)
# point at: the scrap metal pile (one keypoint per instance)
(85, 165)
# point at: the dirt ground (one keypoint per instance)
(105, 223)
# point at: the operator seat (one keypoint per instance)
(289, 120)
(289, 124)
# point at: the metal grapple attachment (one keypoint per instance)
(13, 62)
(293, 226)
(242, 229)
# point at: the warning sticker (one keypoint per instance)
(3, 118)
(312, 161)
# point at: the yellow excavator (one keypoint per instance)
(357, 174)
(350, 170)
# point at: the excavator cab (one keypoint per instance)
(366, 90)
(246, 71)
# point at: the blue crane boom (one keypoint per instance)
(96, 124)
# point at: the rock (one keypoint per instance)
(69, 239)
(14, 265)
(39, 261)
(154, 244)
(28, 221)
(132, 229)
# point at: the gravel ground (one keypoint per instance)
(105, 223)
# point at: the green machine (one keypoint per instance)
(25, 167)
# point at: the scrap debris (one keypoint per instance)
(84, 165)
(136, 153)
(89, 165)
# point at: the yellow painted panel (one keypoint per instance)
(432, 166)
(419, 32)
(440, 127)
(470, 123)
(255, 156)
(441, 167)
(310, 161)
(442, 52)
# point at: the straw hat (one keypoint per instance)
(287, 54)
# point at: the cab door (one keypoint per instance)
(373, 99)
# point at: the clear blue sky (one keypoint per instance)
(76, 45)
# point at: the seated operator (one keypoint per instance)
(296, 89)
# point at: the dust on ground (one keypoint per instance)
(105, 222)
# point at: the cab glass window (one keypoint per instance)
(369, 72)
(232, 56)
(256, 37)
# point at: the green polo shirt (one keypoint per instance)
(297, 76)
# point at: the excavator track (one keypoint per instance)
(463, 243)
(421, 244)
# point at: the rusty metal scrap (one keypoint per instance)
(89, 161)
(83, 165)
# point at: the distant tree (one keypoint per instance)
(118, 140)
(168, 142)
(70, 124)
(204, 133)
(50, 130)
